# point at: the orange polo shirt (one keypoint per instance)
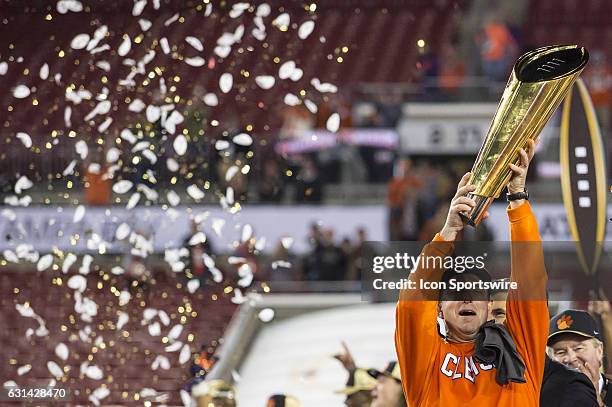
(436, 373)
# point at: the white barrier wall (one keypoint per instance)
(294, 356)
(46, 227)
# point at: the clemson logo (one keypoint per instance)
(565, 322)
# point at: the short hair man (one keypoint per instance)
(575, 340)
(457, 369)
(358, 388)
(388, 391)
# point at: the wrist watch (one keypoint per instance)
(518, 195)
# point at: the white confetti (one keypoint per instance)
(149, 313)
(21, 91)
(104, 65)
(266, 315)
(136, 106)
(127, 135)
(23, 369)
(171, 122)
(123, 186)
(122, 320)
(125, 47)
(291, 99)
(79, 214)
(67, 116)
(133, 201)
(323, 87)
(78, 283)
(22, 184)
(165, 46)
(160, 361)
(246, 275)
(153, 113)
(171, 20)
(25, 139)
(176, 331)
(44, 262)
(193, 285)
(185, 354)
(287, 242)
(124, 297)
(231, 172)
(70, 168)
(282, 21)
(286, 70)
(195, 192)
(333, 122)
(101, 108)
(80, 41)
(263, 10)
(54, 369)
(242, 139)
(172, 165)
(3, 68)
(68, 262)
(197, 238)
(296, 75)
(238, 297)
(310, 105)
(305, 29)
(144, 24)
(87, 260)
(173, 198)
(122, 232)
(210, 99)
(64, 6)
(194, 42)
(112, 155)
(195, 61)
(154, 329)
(61, 350)
(238, 9)
(9, 214)
(43, 73)
(94, 372)
(180, 144)
(173, 347)
(217, 226)
(265, 81)
(81, 149)
(247, 232)
(117, 270)
(222, 51)
(221, 145)
(138, 7)
(226, 81)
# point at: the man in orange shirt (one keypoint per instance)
(444, 371)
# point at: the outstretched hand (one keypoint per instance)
(346, 358)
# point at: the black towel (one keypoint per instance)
(494, 345)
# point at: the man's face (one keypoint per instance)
(464, 318)
(498, 308)
(575, 351)
(362, 398)
(387, 392)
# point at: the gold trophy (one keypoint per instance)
(539, 81)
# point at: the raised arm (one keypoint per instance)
(416, 335)
(527, 312)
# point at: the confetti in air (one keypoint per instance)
(118, 129)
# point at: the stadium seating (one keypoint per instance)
(126, 360)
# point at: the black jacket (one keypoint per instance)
(563, 387)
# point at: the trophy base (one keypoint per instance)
(474, 217)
